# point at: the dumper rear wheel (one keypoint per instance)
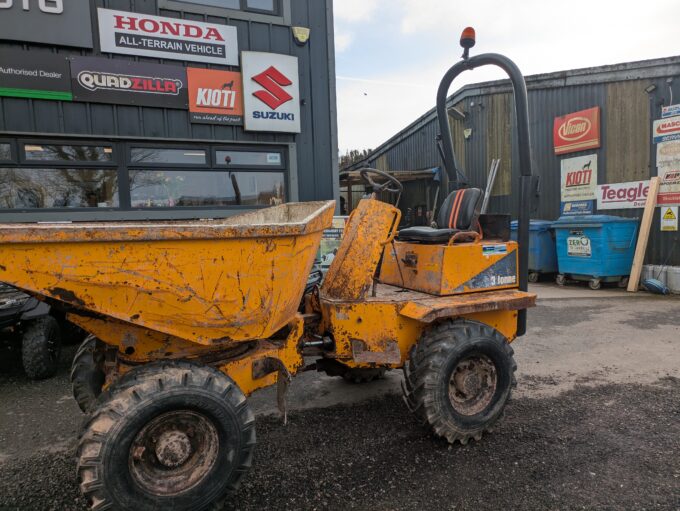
(458, 379)
(41, 348)
(173, 436)
(87, 374)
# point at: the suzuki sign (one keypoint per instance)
(271, 92)
(138, 34)
(577, 132)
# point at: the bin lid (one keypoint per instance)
(589, 220)
(534, 225)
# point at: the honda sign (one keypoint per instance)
(271, 92)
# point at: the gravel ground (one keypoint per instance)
(594, 424)
(607, 447)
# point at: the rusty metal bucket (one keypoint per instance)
(235, 279)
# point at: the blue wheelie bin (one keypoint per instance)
(542, 253)
(595, 248)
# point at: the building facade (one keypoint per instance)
(627, 99)
(135, 109)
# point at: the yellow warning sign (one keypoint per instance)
(669, 219)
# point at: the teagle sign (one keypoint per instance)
(133, 33)
(623, 195)
(215, 97)
(271, 92)
(577, 131)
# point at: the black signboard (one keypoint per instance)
(99, 80)
(60, 22)
(34, 75)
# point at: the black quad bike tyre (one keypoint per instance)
(87, 374)
(41, 348)
(435, 364)
(169, 435)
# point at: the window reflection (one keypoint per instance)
(43, 152)
(176, 188)
(174, 156)
(5, 152)
(58, 188)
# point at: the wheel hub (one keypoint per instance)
(472, 384)
(173, 448)
(174, 452)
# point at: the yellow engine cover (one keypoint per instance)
(451, 269)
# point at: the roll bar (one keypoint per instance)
(452, 177)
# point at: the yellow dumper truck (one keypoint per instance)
(187, 318)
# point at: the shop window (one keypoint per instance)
(28, 188)
(180, 188)
(5, 152)
(249, 159)
(261, 5)
(156, 156)
(266, 6)
(74, 153)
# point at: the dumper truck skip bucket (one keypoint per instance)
(207, 282)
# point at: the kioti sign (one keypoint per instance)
(168, 38)
(577, 131)
(215, 97)
(579, 178)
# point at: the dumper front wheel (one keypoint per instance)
(458, 379)
(173, 436)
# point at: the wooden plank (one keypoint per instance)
(643, 237)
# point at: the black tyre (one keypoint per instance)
(41, 348)
(533, 277)
(458, 379)
(172, 436)
(363, 375)
(87, 374)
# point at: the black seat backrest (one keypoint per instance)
(460, 210)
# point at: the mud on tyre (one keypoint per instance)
(458, 379)
(170, 435)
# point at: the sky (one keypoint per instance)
(391, 54)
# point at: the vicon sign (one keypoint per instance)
(577, 131)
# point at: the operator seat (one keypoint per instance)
(459, 213)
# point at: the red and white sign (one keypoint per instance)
(271, 92)
(622, 195)
(132, 33)
(666, 130)
(669, 192)
(579, 178)
(577, 131)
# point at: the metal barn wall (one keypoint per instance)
(627, 152)
(316, 146)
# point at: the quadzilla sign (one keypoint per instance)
(271, 92)
(99, 80)
(215, 97)
(666, 130)
(579, 178)
(577, 131)
(168, 38)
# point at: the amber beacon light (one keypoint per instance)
(467, 40)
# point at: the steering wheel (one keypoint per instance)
(396, 187)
